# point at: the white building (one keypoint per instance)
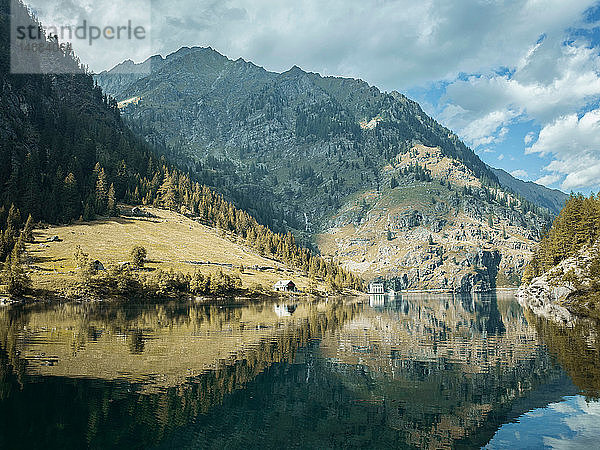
(284, 286)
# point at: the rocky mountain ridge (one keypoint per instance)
(301, 152)
(553, 199)
(432, 234)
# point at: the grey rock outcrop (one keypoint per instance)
(545, 300)
(548, 295)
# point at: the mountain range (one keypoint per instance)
(354, 172)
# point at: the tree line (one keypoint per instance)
(578, 224)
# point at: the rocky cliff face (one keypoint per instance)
(427, 235)
(568, 290)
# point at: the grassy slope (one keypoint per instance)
(171, 239)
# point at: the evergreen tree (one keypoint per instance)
(101, 193)
(13, 221)
(167, 195)
(71, 201)
(13, 275)
(138, 256)
(28, 230)
(111, 204)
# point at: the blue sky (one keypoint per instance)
(538, 123)
(517, 80)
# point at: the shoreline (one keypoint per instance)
(445, 291)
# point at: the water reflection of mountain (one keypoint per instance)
(428, 371)
(138, 374)
(446, 368)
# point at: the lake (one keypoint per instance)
(415, 371)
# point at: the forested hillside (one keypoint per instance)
(577, 225)
(562, 280)
(66, 154)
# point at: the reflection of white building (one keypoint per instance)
(376, 300)
(378, 294)
(284, 310)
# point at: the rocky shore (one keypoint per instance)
(566, 291)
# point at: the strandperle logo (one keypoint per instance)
(84, 31)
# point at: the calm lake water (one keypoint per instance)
(419, 371)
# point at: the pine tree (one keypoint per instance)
(13, 221)
(13, 275)
(167, 195)
(71, 200)
(111, 203)
(28, 230)
(138, 256)
(88, 210)
(101, 193)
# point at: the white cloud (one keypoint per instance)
(489, 129)
(553, 82)
(574, 143)
(583, 420)
(548, 180)
(519, 173)
(569, 134)
(500, 156)
(395, 44)
(528, 139)
(527, 93)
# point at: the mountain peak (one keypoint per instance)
(295, 71)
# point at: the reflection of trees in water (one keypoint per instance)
(452, 366)
(11, 366)
(136, 341)
(326, 404)
(576, 348)
(435, 404)
(118, 413)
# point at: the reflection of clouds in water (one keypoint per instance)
(562, 407)
(584, 421)
(569, 424)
